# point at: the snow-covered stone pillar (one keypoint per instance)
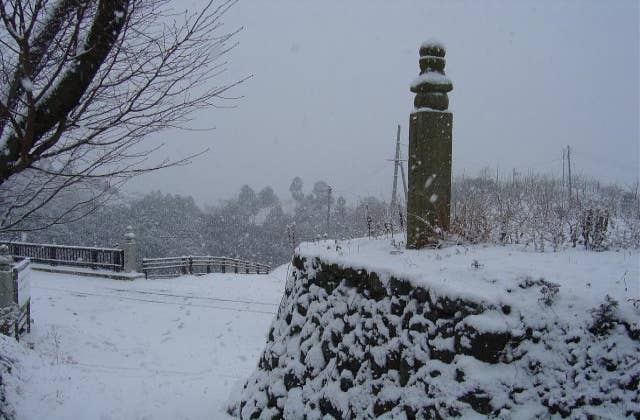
(6, 277)
(129, 251)
(430, 143)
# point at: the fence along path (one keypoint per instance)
(90, 257)
(177, 266)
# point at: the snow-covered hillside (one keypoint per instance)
(148, 349)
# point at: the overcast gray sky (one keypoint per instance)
(331, 82)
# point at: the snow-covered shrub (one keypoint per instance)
(7, 348)
(549, 292)
(604, 317)
(8, 317)
(534, 211)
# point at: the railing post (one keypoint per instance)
(94, 258)
(223, 267)
(190, 264)
(53, 255)
(183, 265)
(129, 248)
(116, 260)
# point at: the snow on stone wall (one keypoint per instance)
(350, 343)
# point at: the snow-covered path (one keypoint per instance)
(147, 349)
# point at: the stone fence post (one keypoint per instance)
(6, 277)
(130, 251)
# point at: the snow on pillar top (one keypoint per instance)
(432, 86)
(129, 235)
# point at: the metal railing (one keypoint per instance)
(77, 256)
(177, 266)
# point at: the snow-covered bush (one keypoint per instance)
(535, 211)
(604, 316)
(8, 317)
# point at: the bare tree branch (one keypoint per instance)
(84, 82)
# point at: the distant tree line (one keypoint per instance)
(252, 225)
(533, 211)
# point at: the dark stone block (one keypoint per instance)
(327, 352)
(380, 407)
(397, 306)
(345, 384)
(399, 287)
(410, 412)
(298, 262)
(393, 360)
(302, 310)
(291, 381)
(478, 400)
(487, 347)
(377, 291)
(405, 372)
(390, 326)
(420, 327)
(294, 329)
(420, 294)
(445, 356)
(326, 407)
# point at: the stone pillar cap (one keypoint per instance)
(6, 261)
(431, 86)
(130, 235)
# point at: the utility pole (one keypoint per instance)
(404, 182)
(569, 167)
(398, 166)
(395, 171)
(328, 208)
(562, 167)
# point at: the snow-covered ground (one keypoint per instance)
(147, 349)
(491, 274)
(177, 348)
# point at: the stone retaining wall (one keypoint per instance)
(348, 344)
